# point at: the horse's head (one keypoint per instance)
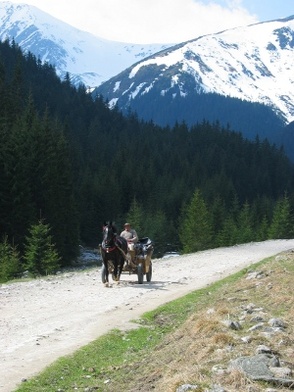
(109, 234)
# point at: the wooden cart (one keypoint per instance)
(141, 264)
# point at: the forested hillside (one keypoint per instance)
(68, 163)
(249, 118)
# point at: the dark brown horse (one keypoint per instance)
(113, 251)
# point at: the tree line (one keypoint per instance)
(249, 118)
(68, 163)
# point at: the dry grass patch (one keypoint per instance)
(199, 351)
(189, 341)
(239, 382)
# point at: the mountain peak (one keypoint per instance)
(88, 59)
(251, 63)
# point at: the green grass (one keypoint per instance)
(113, 358)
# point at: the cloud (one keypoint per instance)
(145, 21)
(149, 21)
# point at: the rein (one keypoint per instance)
(108, 249)
(115, 245)
(106, 244)
(123, 253)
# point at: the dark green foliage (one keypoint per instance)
(166, 109)
(37, 179)
(40, 256)
(228, 234)
(73, 162)
(153, 224)
(136, 216)
(9, 261)
(285, 138)
(282, 222)
(195, 225)
(245, 225)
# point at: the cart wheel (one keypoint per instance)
(149, 273)
(103, 274)
(140, 273)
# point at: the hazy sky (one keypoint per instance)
(161, 21)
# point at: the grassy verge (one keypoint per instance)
(183, 341)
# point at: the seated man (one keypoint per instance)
(132, 238)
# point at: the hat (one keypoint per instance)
(127, 224)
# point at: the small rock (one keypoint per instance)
(256, 327)
(246, 339)
(277, 323)
(216, 388)
(262, 349)
(235, 325)
(257, 319)
(218, 369)
(187, 388)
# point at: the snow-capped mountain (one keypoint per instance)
(252, 63)
(88, 59)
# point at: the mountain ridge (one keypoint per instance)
(201, 84)
(88, 59)
(252, 63)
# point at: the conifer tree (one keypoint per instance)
(245, 225)
(195, 226)
(136, 217)
(9, 261)
(40, 257)
(218, 214)
(57, 190)
(282, 223)
(228, 235)
(262, 230)
(17, 203)
(160, 231)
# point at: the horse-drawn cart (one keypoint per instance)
(141, 264)
(117, 258)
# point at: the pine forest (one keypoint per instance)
(68, 163)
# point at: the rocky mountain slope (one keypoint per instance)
(241, 77)
(88, 59)
(251, 63)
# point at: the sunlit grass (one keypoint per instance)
(181, 341)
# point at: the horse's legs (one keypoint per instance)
(116, 262)
(115, 270)
(121, 261)
(118, 265)
(106, 272)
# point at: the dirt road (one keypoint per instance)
(44, 319)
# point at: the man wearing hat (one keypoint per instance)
(132, 238)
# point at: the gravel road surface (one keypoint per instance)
(44, 319)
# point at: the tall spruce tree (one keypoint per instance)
(9, 260)
(195, 227)
(136, 217)
(17, 198)
(228, 235)
(58, 193)
(161, 231)
(245, 225)
(282, 222)
(40, 257)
